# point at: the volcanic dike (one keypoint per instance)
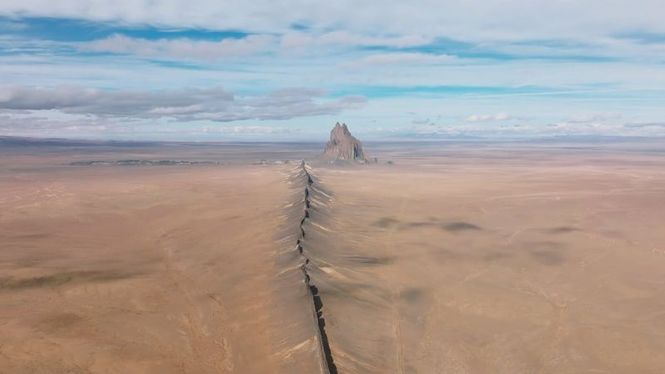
(315, 202)
(311, 193)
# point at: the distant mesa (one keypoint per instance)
(343, 146)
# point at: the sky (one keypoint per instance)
(289, 69)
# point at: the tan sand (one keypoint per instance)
(456, 259)
(532, 262)
(148, 270)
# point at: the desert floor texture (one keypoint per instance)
(458, 258)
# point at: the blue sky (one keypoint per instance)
(192, 70)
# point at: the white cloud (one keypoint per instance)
(602, 124)
(560, 128)
(257, 130)
(586, 118)
(488, 117)
(650, 125)
(376, 45)
(424, 121)
(461, 19)
(402, 59)
(346, 39)
(49, 124)
(182, 48)
(212, 104)
(192, 49)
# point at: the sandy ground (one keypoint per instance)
(148, 270)
(496, 262)
(456, 259)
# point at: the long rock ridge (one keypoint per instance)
(313, 290)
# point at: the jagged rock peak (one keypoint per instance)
(343, 145)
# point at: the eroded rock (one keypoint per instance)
(343, 146)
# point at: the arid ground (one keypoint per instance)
(453, 258)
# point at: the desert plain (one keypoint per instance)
(453, 257)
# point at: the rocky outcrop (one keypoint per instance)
(343, 145)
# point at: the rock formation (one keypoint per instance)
(343, 145)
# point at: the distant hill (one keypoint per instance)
(21, 141)
(343, 146)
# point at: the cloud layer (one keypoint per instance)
(215, 104)
(455, 66)
(488, 117)
(455, 18)
(181, 48)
